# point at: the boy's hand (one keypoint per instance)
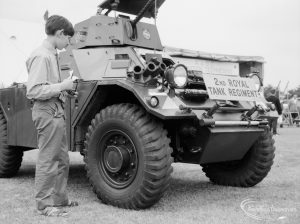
(67, 84)
(72, 93)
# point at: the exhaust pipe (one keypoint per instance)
(161, 68)
(154, 70)
(150, 69)
(137, 71)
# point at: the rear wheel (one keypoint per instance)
(249, 171)
(128, 157)
(10, 157)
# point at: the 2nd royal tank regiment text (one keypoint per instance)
(234, 90)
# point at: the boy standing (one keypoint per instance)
(48, 92)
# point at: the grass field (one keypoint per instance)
(190, 199)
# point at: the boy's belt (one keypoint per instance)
(53, 99)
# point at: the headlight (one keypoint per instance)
(257, 80)
(177, 76)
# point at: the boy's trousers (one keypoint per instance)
(52, 166)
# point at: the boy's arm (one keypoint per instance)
(38, 86)
(44, 91)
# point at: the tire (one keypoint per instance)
(249, 171)
(128, 157)
(10, 157)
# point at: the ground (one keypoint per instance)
(190, 199)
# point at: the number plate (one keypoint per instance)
(231, 88)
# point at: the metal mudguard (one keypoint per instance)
(167, 109)
(169, 106)
(217, 143)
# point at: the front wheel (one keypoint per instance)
(249, 171)
(128, 157)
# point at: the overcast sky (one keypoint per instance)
(268, 28)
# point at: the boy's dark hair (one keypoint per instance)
(55, 22)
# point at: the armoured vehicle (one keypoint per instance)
(138, 110)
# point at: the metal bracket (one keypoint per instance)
(211, 111)
(247, 116)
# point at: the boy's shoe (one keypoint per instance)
(53, 212)
(70, 204)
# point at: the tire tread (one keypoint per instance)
(157, 155)
(10, 157)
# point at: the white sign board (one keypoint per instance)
(231, 88)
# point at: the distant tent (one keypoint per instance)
(17, 40)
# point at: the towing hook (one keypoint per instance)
(248, 115)
(212, 110)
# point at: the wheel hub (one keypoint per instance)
(116, 158)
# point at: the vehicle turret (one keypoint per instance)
(102, 30)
